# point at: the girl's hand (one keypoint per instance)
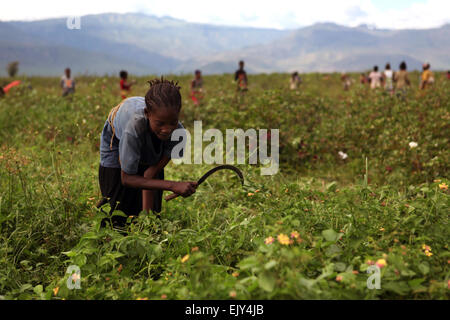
(184, 189)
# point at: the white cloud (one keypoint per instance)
(270, 14)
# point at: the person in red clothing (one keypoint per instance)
(4, 90)
(125, 86)
(197, 87)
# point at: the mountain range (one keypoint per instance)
(145, 44)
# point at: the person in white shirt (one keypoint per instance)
(67, 83)
(388, 79)
(375, 78)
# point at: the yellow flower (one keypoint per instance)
(55, 291)
(142, 298)
(250, 194)
(426, 248)
(339, 278)
(381, 263)
(269, 240)
(295, 234)
(443, 186)
(235, 274)
(233, 294)
(381, 229)
(428, 253)
(436, 181)
(283, 239)
(185, 258)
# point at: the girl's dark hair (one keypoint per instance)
(375, 68)
(123, 74)
(403, 65)
(163, 93)
(388, 66)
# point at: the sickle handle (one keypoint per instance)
(171, 196)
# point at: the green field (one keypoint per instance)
(387, 203)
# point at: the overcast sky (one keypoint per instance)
(280, 14)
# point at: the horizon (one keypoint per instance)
(185, 74)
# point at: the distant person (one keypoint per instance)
(240, 76)
(125, 86)
(427, 78)
(401, 79)
(375, 78)
(389, 77)
(363, 80)
(346, 81)
(4, 90)
(67, 83)
(295, 81)
(197, 87)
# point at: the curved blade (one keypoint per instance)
(225, 166)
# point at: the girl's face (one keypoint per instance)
(163, 121)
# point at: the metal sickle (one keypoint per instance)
(206, 175)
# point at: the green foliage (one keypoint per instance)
(330, 218)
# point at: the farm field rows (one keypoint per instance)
(310, 231)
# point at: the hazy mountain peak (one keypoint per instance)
(147, 44)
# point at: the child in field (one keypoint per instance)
(363, 79)
(197, 87)
(136, 146)
(401, 79)
(241, 77)
(4, 90)
(67, 83)
(375, 78)
(427, 78)
(295, 81)
(346, 81)
(125, 87)
(389, 77)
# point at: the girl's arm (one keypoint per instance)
(147, 182)
(150, 173)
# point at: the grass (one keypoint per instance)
(340, 215)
